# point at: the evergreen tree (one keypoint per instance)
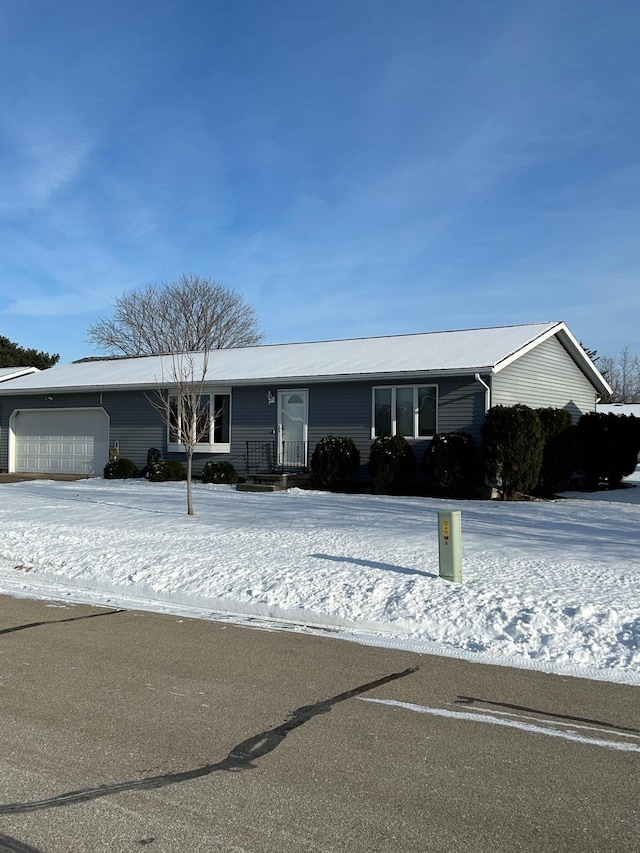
(13, 355)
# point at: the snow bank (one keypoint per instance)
(547, 585)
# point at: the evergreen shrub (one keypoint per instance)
(607, 448)
(334, 460)
(219, 471)
(120, 469)
(558, 455)
(451, 464)
(391, 464)
(513, 444)
(167, 469)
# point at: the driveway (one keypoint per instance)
(121, 730)
(21, 478)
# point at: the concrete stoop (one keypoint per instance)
(272, 482)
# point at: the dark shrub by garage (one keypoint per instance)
(120, 469)
(219, 471)
(167, 469)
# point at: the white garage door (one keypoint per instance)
(61, 441)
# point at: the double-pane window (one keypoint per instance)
(407, 410)
(204, 419)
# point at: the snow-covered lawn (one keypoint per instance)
(547, 585)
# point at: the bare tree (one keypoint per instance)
(188, 411)
(190, 314)
(181, 409)
(622, 372)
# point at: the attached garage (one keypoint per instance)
(59, 441)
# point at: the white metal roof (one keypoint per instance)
(473, 350)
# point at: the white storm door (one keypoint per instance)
(293, 427)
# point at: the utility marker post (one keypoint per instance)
(450, 545)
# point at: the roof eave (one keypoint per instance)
(264, 380)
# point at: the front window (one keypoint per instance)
(407, 410)
(203, 419)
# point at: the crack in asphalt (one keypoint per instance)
(58, 621)
(12, 845)
(241, 757)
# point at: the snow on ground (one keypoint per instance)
(550, 585)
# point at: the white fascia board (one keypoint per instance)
(580, 356)
(514, 356)
(19, 371)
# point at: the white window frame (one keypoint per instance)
(201, 447)
(394, 389)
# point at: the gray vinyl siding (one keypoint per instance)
(461, 406)
(547, 376)
(335, 408)
(345, 408)
(133, 422)
(38, 401)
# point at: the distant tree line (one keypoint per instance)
(622, 372)
(13, 355)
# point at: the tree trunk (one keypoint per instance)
(189, 490)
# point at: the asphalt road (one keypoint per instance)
(125, 730)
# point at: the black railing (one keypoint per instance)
(266, 457)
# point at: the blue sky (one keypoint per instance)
(353, 168)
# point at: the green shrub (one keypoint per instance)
(120, 469)
(558, 455)
(219, 471)
(391, 463)
(451, 464)
(167, 469)
(513, 444)
(334, 460)
(607, 447)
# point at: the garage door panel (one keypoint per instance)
(61, 441)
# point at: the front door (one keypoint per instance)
(293, 428)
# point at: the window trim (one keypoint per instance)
(394, 389)
(201, 447)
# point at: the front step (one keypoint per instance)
(272, 482)
(260, 487)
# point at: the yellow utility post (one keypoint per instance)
(450, 545)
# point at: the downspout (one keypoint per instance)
(487, 406)
(487, 392)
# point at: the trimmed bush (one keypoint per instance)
(334, 460)
(451, 464)
(219, 471)
(558, 455)
(513, 444)
(120, 469)
(167, 469)
(607, 448)
(391, 464)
